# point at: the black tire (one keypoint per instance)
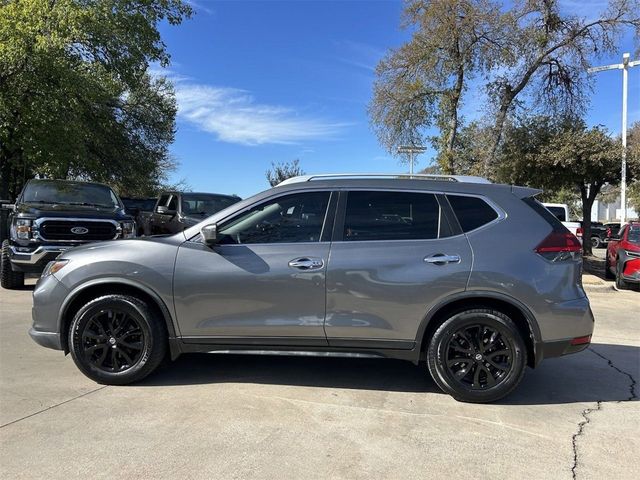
(621, 284)
(459, 362)
(596, 242)
(117, 339)
(8, 278)
(607, 268)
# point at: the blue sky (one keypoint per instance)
(266, 81)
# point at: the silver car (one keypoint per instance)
(475, 280)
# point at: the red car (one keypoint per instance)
(623, 256)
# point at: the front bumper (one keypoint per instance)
(48, 298)
(26, 260)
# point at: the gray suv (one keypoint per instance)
(475, 280)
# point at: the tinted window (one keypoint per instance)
(163, 201)
(173, 203)
(391, 216)
(559, 212)
(202, 204)
(293, 218)
(472, 212)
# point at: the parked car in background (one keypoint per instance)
(599, 234)
(623, 256)
(366, 266)
(561, 212)
(51, 216)
(175, 211)
(140, 209)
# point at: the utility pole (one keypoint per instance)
(624, 66)
(412, 151)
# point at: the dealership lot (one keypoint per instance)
(213, 416)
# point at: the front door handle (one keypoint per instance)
(306, 263)
(442, 259)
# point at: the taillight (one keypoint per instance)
(608, 232)
(559, 246)
(579, 232)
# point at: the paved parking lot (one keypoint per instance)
(214, 416)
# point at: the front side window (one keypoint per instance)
(289, 219)
(391, 216)
(164, 199)
(472, 212)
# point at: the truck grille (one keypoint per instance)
(77, 230)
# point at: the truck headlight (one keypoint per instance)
(22, 228)
(128, 229)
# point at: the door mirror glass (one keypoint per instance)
(162, 210)
(210, 234)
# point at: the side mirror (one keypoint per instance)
(162, 210)
(210, 234)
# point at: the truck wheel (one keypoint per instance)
(117, 339)
(477, 356)
(8, 278)
(596, 242)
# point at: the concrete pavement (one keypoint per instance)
(215, 416)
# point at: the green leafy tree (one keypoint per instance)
(560, 156)
(421, 84)
(281, 171)
(76, 98)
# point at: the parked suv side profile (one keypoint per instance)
(414, 268)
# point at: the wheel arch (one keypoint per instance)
(90, 290)
(519, 313)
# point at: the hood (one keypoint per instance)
(76, 211)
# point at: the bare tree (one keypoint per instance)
(280, 171)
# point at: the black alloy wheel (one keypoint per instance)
(117, 339)
(477, 355)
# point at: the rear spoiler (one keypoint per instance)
(524, 192)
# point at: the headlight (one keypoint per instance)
(21, 228)
(53, 267)
(128, 229)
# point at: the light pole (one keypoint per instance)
(624, 66)
(411, 151)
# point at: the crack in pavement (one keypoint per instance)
(588, 411)
(54, 406)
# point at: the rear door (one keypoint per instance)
(394, 254)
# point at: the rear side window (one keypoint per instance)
(391, 216)
(472, 212)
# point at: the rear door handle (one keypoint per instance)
(442, 259)
(306, 263)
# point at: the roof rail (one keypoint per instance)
(399, 176)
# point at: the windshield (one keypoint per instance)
(142, 204)
(634, 234)
(199, 204)
(70, 193)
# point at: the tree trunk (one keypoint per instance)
(587, 204)
(498, 127)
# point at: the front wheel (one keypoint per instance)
(596, 242)
(477, 356)
(621, 284)
(117, 339)
(8, 278)
(607, 268)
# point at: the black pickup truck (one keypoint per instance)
(51, 216)
(175, 211)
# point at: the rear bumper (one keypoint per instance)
(560, 348)
(46, 339)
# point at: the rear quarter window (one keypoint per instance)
(472, 212)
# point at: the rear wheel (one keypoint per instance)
(117, 339)
(8, 278)
(596, 242)
(477, 356)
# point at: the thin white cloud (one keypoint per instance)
(234, 116)
(200, 6)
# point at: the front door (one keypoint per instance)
(265, 278)
(395, 256)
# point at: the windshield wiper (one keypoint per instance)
(44, 202)
(87, 204)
